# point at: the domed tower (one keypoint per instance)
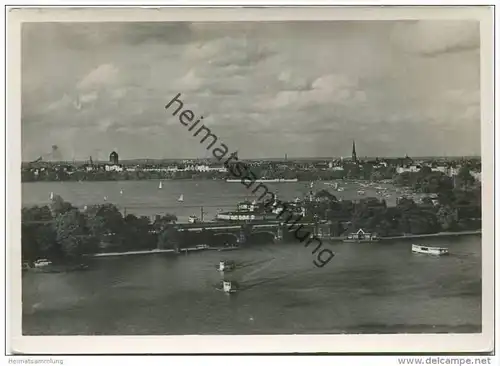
(113, 158)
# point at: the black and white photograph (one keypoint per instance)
(255, 177)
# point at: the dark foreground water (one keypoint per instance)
(366, 288)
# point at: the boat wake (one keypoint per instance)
(249, 275)
(255, 263)
(249, 285)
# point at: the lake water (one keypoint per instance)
(145, 197)
(367, 288)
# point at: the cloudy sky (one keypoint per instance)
(266, 89)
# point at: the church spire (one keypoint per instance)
(354, 157)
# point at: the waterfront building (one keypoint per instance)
(113, 168)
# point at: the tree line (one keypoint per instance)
(62, 233)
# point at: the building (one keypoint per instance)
(113, 168)
(354, 156)
(113, 158)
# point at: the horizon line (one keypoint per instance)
(267, 158)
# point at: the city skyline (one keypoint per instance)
(396, 87)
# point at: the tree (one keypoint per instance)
(446, 217)
(105, 222)
(164, 221)
(36, 213)
(324, 194)
(46, 240)
(38, 237)
(109, 215)
(29, 247)
(169, 238)
(137, 233)
(464, 178)
(58, 206)
(73, 235)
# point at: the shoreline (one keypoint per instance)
(440, 234)
(157, 251)
(153, 251)
(132, 252)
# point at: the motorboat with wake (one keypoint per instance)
(226, 266)
(429, 250)
(229, 287)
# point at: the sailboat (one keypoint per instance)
(121, 191)
(160, 186)
(181, 198)
(51, 195)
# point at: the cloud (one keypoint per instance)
(328, 90)
(307, 85)
(433, 37)
(103, 75)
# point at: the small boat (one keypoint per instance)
(226, 266)
(121, 191)
(429, 250)
(202, 246)
(181, 198)
(232, 247)
(25, 266)
(228, 287)
(160, 186)
(41, 263)
(105, 198)
(51, 195)
(193, 219)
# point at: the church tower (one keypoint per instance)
(354, 157)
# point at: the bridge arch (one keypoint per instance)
(261, 237)
(222, 238)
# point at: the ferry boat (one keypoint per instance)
(202, 247)
(226, 266)
(361, 237)
(228, 287)
(293, 180)
(243, 216)
(429, 250)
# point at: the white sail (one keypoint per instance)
(51, 195)
(181, 198)
(121, 191)
(160, 186)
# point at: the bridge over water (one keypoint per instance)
(242, 232)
